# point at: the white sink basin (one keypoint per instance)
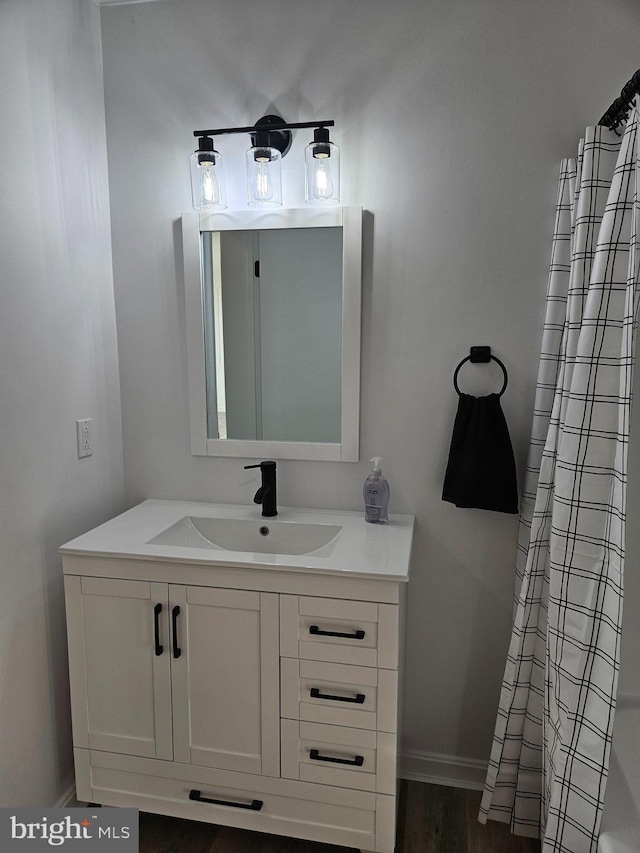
(262, 536)
(207, 536)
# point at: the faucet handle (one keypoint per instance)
(262, 465)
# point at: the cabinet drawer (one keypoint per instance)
(352, 632)
(278, 806)
(337, 755)
(338, 694)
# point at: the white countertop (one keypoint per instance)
(381, 551)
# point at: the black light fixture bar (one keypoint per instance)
(253, 128)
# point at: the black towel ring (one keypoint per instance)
(481, 355)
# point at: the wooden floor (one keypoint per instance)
(432, 819)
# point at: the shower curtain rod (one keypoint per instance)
(619, 109)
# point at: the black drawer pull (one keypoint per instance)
(157, 610)
(358, 761)
(358, 699)
(254, 805)
(177, 651)
(357, 635)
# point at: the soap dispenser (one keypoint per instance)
(376, 495)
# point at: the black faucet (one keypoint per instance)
(266, 494)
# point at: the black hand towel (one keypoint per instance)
(481, 471)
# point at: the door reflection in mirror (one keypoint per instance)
(273, 333)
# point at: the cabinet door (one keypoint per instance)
(225, 677)
(118, 634)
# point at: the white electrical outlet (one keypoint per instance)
(84, 434)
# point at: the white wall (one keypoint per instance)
(452, 117)
(58, 363)
(630, 657)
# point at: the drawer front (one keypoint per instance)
(338, 694)
(238, 799)
(340, 756)
(327, 629)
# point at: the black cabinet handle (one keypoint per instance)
(177, 651)
(358, 699)
(358, 761)
(357, 635)
(157, 610)
(254, 805)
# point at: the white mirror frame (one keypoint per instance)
(350, 219)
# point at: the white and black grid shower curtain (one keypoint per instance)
(550, 756)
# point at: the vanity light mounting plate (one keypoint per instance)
(278, 138)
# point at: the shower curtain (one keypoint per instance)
(550, 754)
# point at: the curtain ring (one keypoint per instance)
(493, 358)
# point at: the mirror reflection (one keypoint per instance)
(273, 322)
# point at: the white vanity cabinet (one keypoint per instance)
(256, 697)
(155, 666)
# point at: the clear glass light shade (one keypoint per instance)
(322, 173)
(264, 177)
(208, 188)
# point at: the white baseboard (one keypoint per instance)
(68, 799)
(437, 769)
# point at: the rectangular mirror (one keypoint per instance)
(273, 332)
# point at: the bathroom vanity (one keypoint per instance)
(238, 670)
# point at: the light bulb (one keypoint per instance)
(322, 171)
(322, 183)
(262, 186)
(264, 179)
(211, 193)
(207, 180)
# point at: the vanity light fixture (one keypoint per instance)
(322, 169)
(270, 141)
(264, 173)
(208, 188)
